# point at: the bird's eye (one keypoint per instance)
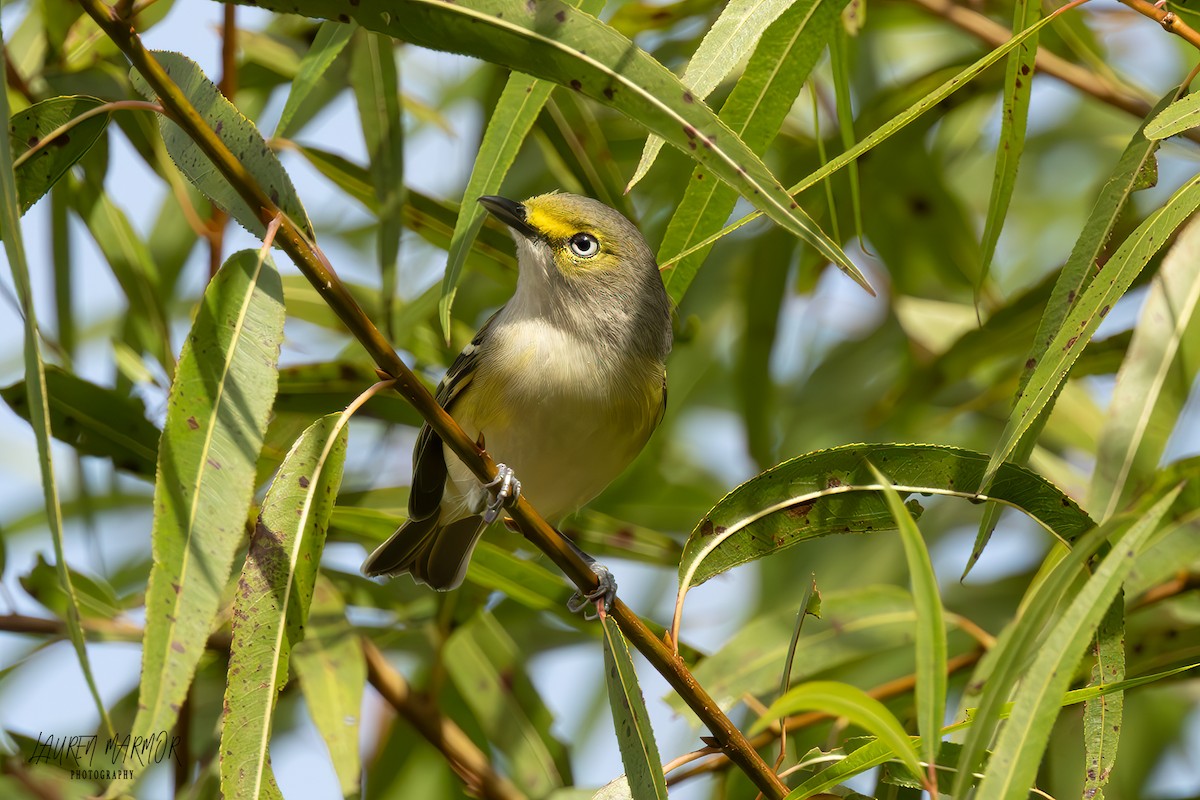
(584, 245)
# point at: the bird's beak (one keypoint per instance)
(511, 213)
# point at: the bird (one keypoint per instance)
(563, 386)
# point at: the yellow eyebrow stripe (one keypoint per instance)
(549, 224)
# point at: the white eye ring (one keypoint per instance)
(584, 245)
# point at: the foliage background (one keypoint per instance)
(776, 355)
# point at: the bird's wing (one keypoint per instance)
(429, 459)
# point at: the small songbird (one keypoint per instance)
(563, 385)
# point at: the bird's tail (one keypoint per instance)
(433, 553)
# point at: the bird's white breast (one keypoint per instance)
(563, 412)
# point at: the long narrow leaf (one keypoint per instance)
(1143, 412)
(734, 35)
(274, 594)
(35, 387)
(1003, 665)
(755, 110)
(832, 491)
(376, 83)
(327, 45)
(639, 752)
(1013, 766)
(93, 419)
(29, 128)
(1178, 117)
(1074, 277)
(930, 628)
(1018, 87)
(238, 133)
(333, 671)
(843, 700)
(216, 418)
(890, 128)
(554, 41)
(1089, 310)
(1102, 715)
(483, 662)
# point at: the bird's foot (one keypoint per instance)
(605, 592)
(504, 490)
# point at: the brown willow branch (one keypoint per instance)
(465, 758)
(323, 278)
(1169, 20)
(461, 753)
(994, 34)
(884, 691)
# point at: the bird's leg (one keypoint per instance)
(504, 489)
(606, 588)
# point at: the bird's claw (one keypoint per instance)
(504, 488)
(606, 591)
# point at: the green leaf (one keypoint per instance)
(1005, 664)
(1154, 380)
(1018, 86)
(1102, 714)
(238, 133)
(95, 420)
(486, 667)
(843, 700)
(376, 85)
(29, 128)
(1074, 277)
(517, 109)
(1019, 749)
(930, 627)
(331, 38)
(274, 593)
(833, 491)
(896, 124)
(216, 417)
(96, 599)
(755, 110)
(639, 752)
(726, 44)
(133, 266)
(839, 60)
(556, 42)
(870, 755)
(1090, 308)
(333, 671)
(36, 389)
(1178, 117)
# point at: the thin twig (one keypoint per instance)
(1169, 20)
(308, 260)
(466, 759)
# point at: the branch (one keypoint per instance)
(1170, 21)
(465, 758)
(323, 278)
(995, 34)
